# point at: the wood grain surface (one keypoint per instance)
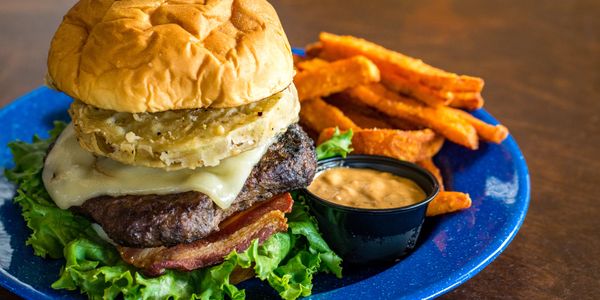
(541, 64)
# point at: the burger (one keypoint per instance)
(184, 140)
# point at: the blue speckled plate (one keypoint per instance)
(452, 249)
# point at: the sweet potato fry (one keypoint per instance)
(428, 165)
(312, 50)
(335, 47)
(446, 202)
(297, 58)
(440, 118)
(317, 115)
(406, 145)
(367, 117)
(467, 100)
(416, 90)
(312, 64)
(487, 132)
(364, 120)
(335, 77)
(429, 96)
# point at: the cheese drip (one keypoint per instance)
(72, 175)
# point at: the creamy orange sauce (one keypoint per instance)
(366, 188)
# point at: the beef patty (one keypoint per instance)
(164, 220)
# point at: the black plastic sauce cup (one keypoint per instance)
(363, 235)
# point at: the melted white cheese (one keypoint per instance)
(72, 175)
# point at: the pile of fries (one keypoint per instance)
(396, 105)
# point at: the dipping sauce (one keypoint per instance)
(366, 188)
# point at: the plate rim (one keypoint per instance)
(436, 289)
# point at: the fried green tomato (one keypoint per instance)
(187, 138)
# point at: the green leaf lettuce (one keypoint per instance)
(340, 144)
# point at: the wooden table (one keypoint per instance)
(541, 64)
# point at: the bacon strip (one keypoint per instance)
(235, 233)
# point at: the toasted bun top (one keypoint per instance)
(158, 55)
